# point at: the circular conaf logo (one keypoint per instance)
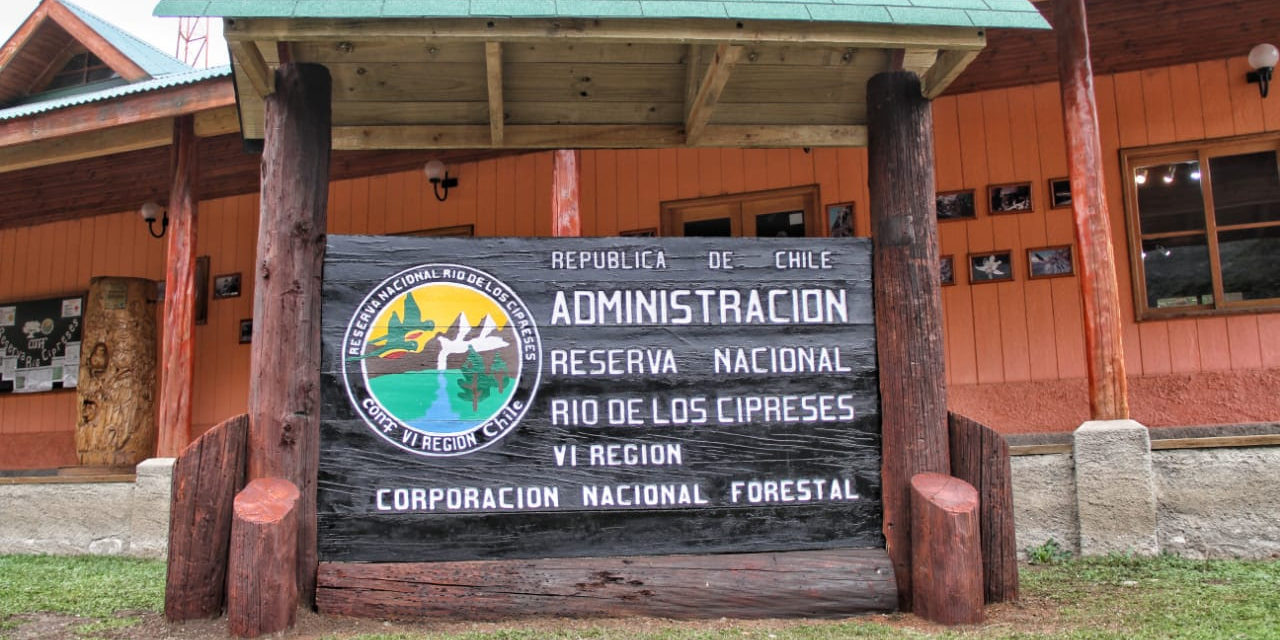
(442, 359)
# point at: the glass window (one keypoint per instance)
(789, 212)
(1204, 226)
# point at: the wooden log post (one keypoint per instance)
(946, 554)
(262, 586)
(566, 219)
(284, 377)
(834, 582)
(206, 478)
(908, 305)
(180, 295)
(1103, 332)
(116, 392)
(980, 457)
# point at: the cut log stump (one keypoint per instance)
(262, 585)
(206, 477)
(980, 456)
(946, 571)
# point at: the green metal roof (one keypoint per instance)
(105, 91)
(945, 13)
(153, 61)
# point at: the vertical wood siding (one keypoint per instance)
(1004, 332)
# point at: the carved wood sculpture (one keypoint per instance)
(116, 425)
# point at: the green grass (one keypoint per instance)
(87, 586)
(1114, 598)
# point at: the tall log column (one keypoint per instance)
(566, 218)
(284, 391)
(908, 303)
(1103, 334)
(180, 295)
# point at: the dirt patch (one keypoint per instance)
(1031, 615)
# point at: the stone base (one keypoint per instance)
(1115, 488)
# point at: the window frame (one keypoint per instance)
(671, 210)
(1201, 151)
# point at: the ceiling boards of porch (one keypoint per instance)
(528, 84)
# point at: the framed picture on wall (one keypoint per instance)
(639, 233)
(947, 269)
(458, 231)
(991, 266)
(1059, 193)
(955, 205)
(202, 290)
(1010, 198)
(246, 331)
(840, 220)
(1050, 262)
(226, 285)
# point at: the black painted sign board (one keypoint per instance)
(40, 344)
(521, 397)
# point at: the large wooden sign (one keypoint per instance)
(40, 344)
(515, 398)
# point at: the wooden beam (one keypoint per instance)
(949, 65)
(784, 136)
(107, 52)
(98, 116)
(254, 67)
(23, 34)
(692, 31)
(284, 375)
(130, 137)
(908, 303)
(1104, 332)
(595, 136)
(692, 72)
(217, 122)
(178, 347)
(823, 583)
(493, 76)
(566, 221)
(709, 90)
(918, 60)
(1259, 440)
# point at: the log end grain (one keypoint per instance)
(262, 586)
(946, 551)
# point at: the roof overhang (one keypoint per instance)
(128, 123)
(593, 83)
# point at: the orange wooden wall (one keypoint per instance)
(1003, 332)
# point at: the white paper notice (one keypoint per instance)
(8, 315)
(33, 380)
(71, 308)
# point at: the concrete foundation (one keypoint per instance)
(1209, 503)
(103, 518)
(1115, 491)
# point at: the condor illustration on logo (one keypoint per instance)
(442, 360)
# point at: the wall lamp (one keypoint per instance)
(1263, 59)
(438, 176)
(151, 211)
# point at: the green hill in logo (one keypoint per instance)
(442, 377)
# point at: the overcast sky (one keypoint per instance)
(133, 16)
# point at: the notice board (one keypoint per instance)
(40, 344)
(520, 397)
